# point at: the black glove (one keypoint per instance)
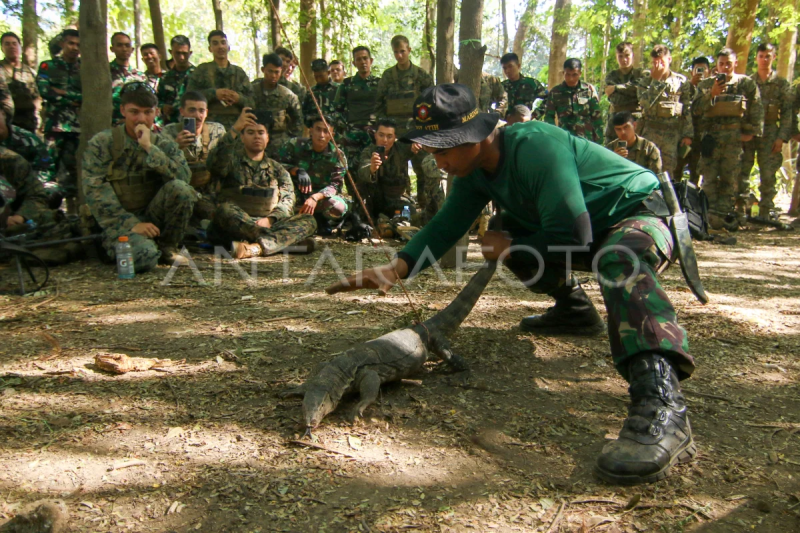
(303, 180)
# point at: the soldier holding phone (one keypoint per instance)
(631, 146)
(690, 155)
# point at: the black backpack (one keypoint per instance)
(694, 203)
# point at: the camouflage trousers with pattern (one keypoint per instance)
(64, 149)
(626, 259)
(768, 165)
(666, 136)
(231, 223)
(170, 211)
(721, 170)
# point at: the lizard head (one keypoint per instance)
(316, 406)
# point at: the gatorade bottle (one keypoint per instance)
(124, 259)
(755, 211)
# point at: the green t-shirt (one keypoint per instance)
(546, 179)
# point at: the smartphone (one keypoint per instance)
(381, 151)
(722, 78)
(190, 125)
(622, 144)
(700, 70)
(263, 117)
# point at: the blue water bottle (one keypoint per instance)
(124, 259)
(406, 214)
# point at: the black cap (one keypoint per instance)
(318, 65)
(447, 115)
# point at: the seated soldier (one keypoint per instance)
(256, 195)
(318, 173)
(136, 183)
(631, 146)
(196, 138)
(34, 151)
(383, 175)
(24, 209)
(518, 113)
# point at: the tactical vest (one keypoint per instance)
(360, 105)
(728, 105)
(772, 112)
(22, 95)
(278, 121)
(134, 185)
(401, 103)
(256, 201)
(392, 186)
(669, 106)
(200, 174)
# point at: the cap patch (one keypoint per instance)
(423, 112)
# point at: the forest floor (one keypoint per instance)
(205, 445)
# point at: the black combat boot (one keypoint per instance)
(657, 433)
(573, 314)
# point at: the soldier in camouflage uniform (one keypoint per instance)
(282, 103)
(337, 71)
(493, 95)
(318, 171)
(701, 69)
(521, 89)
(575, 104)
(255, 216)
(289, 64)
(59, 82)
(777, 100)
(666, 101)
(382, 177)
(324, 90)
(225, 85)
(35, 152)
(21, 82)
(621, 87)
(122, 71)
(196, 147)
(173, 83)
(730, 114)
(638, 149)
(354, 106)
(151, 57)
(136, 184)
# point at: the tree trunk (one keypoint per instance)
(677, 26)
(308, 38)
(428, 59)
(217, 14)
(523, 26)
(158, 30)
(505, 25)
(137, 30)
(639, 24)
(606, 46)
(254, 35)
(95, 113)
(559, 40)
(445, 33)
(787, 56)
(740, 30)
(470, 49)
(30, 33)
(274, 29)
(325, 24)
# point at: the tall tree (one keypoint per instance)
(470, 49)
(741, 21)
(428, 59)
(30, 33)
(254, 35)
(158, 30)
(523, 27)
(445, 33)
(95, 74)
(559, 39)
(787, 48)
(308, 37)
(639, 26)
(274, 29)
(215, 4)
(137, 29)
(325, 26)
(505, 25)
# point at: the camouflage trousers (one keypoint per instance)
(170, 210)
(627, 258)
(721, 170)
(64, 147)
(422, 178)
(231, 223)
(666, 136)
(692, 159)
(768, 165)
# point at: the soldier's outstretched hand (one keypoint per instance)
(381, 277)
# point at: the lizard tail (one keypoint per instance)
(450, 318)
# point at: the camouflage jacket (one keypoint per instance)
(392, 175)
(164, 158)
(493, 92)
(32, 148)
(643, 152)
(396, 85)
(279, 100)
(21, 84)
(324, 168)
(355, 101)
(120, 76)
(171, 89)
(6, 101)
(525, 91)
(296, 88)
(208, 77)
(625, 96)
(777, 98)
(230, 166)
(193, 153)
(326, 94)
(671, 96)
(18, 174)
(577, 109)
(61, 110)
(751, 123)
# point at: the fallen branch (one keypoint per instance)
(130, 464)
(706, 395)
(321, 447)
(276, 319)
(597, 500)
(557, 518)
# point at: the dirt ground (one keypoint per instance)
(205, 445)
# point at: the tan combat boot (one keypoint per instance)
(245, 250)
